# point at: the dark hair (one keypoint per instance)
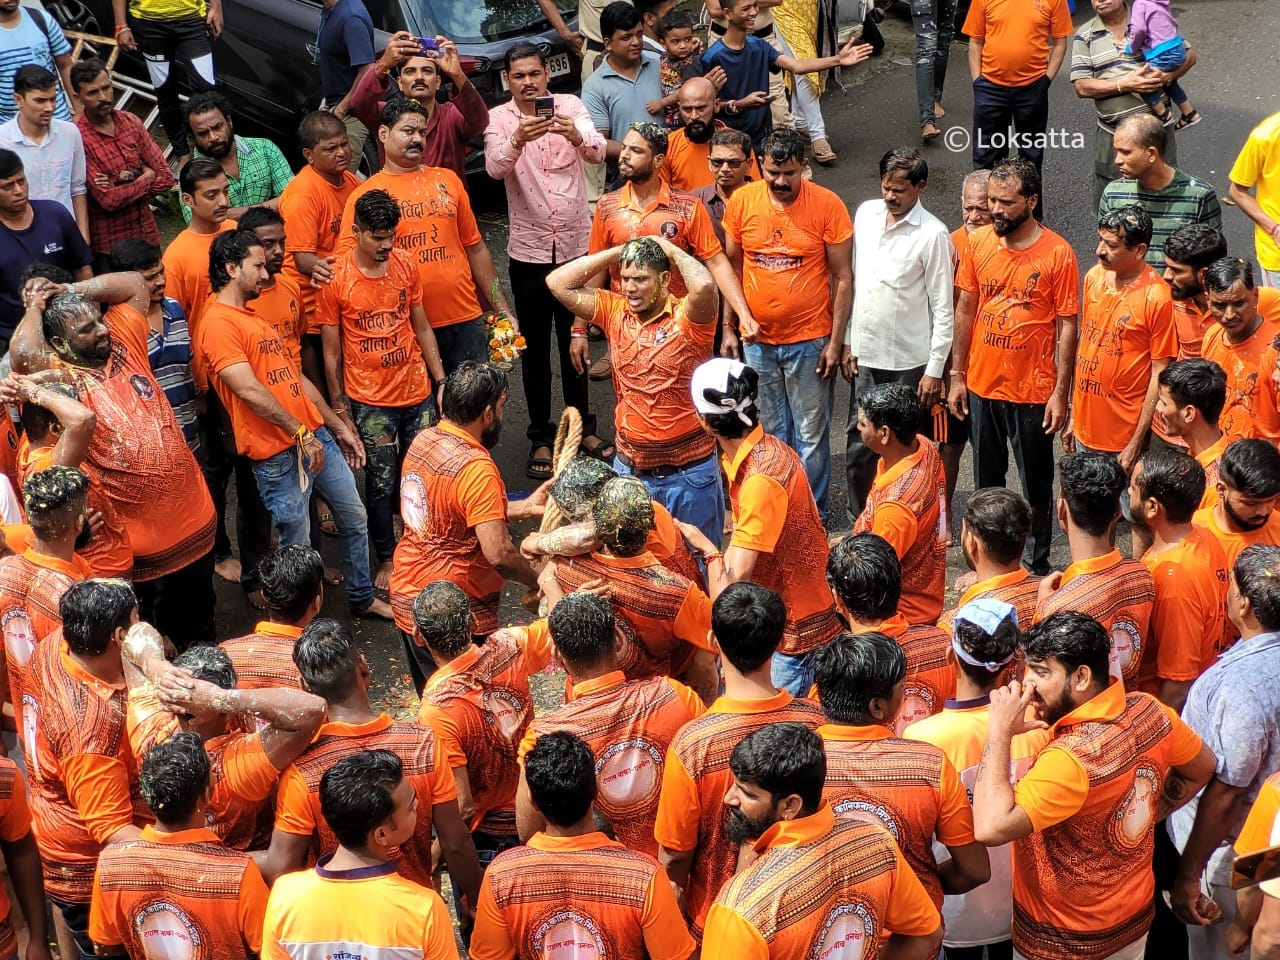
(228, 247)
(582, 627)
(907, 161)
(865, 575)
(893, 405)
(92, 611)
(135, 253)
(523, 51)
(1221, 274)
(291, 577)
(48, 492)
(1147, 130)
(647, 6)
(782, 144)
(1001, 520)
(729, 137)
(316, 126)
(397, 108)
(1251, 467)
(36, 420)
(1196, 382)
(442, 616)
(356, 795)
(206, 101)
(748, 621)
(174, 776)
(1174, 479)
(853, 669)
(62, 310)
(33, 78)
(327, 658)
(10, 164)
(195, 171)
(208, 663)
(623, 515)
(676, 20)
(731, 425)
(654, 134)
(783, 758)
(256, 217)
(1257, 573)
(986, 647)
(560, 773)
(1195, 244)
(86, 70)
(45, 271)
(471, 389)
(645, 253)
(1091, 485)
(377, 212)
(1131, 223)
(1022, 170)
(619, 15)
(1074, 640)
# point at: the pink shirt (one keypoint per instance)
(546, 189)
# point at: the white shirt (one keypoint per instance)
(902, 289)
(54, 167)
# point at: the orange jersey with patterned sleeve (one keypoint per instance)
(264, 658)
(661, 615)
(180, 894)
(653, 363)
(931, 668)
(15, 823)
(280, 305)
(822, 887)
(425, 767)
(1119, 594)
(1020, 295)
(1082, 881)
(84, 781)
(448, 484)
(785, 274)
(628, 724)
(312, 210)
(1248, 365)
(1018, 589)
(382, 363)
(774, 514)
(480, 706)
(907, 506)
(436, 227)
(694, 781)
(909, 788)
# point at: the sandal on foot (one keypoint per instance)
(603, 450)
(1190, 120)
(1165, 118)
(536, 467)
(822, 152)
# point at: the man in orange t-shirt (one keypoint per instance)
(1188, 253)
(817, 884)
(279, 302)
(686, 166)
(381, 359)
(1242, 343)
(1015, 343)
(203, 188)
(792, 241)
(22, 859)
(1192, 395)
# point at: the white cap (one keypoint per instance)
(715, 377)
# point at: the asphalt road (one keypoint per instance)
(1233, 86)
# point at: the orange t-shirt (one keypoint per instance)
(436, 228)
(785, 275)
(931, 668)
(1191, 324)
(264, 658)
(15, 824)
(1249, 365)
(141, 457)
(686, 167)
(1208, 459)
(774, 515)
(1119, 594)
(1122, 332)
(1016, 37)
(1020, 294)
(629, 726)
(577, 895)
(907, 507)
(312, 210)
(281, 306)
(238, 336)
(186, 279)
(1232, 543)
(667, 544)
(8, 447)
(653, 364)
(182, 893)
(382, 363)
(1018, 589)
(696, 774)
(448, 485)
(1190, 580)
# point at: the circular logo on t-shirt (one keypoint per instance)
(1132, 817)
(568, 935)
(166, 932)
(413, 503)
(917, 704)
(628, 775)
(1126, 644)
(142, 386)
(505, 713)
(848, 933)
(669, 229)
(19, 637)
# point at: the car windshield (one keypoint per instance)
(476, 21)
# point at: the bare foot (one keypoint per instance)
(228, 569)
(382, 578)
(256, 600)
(333, 576)
(938, 112)
(377, 609)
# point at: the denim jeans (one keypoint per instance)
(792, 673)
(795, 405)
(460, 342)
(278, 483)
(386, 433)
(693, 495)
(934, 22)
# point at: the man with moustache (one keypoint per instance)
(256, 170)
(1082, 818)
(1241, 341)
(689, 147)
(1188, 253)
(729, 159)
(1192, 395)
(1248, 491)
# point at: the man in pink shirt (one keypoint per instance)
(540, 159)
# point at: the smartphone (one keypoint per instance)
(544, 108)
(429, 47)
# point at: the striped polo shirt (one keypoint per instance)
(1186, 199)
(169, 354)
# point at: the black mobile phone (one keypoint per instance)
(544, 107)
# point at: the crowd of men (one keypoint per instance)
(772, 742)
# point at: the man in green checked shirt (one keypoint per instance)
(256, 170)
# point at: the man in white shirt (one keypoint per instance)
(900, 327)
(52, 151)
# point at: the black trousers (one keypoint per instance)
(994, 427)
(994, 951)
(163, 43)
(542, 315)
(995, 109)
(181, 604)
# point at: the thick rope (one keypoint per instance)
(568, 440)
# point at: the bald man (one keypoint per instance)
(688, 148)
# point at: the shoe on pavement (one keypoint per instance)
(602, 369)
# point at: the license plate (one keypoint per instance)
(557, 66)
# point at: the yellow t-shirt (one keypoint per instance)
(1258, 165)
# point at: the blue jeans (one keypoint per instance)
(1168, 57)
(693, 495)
(793, 674)
(795, 405)
(277, 478)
